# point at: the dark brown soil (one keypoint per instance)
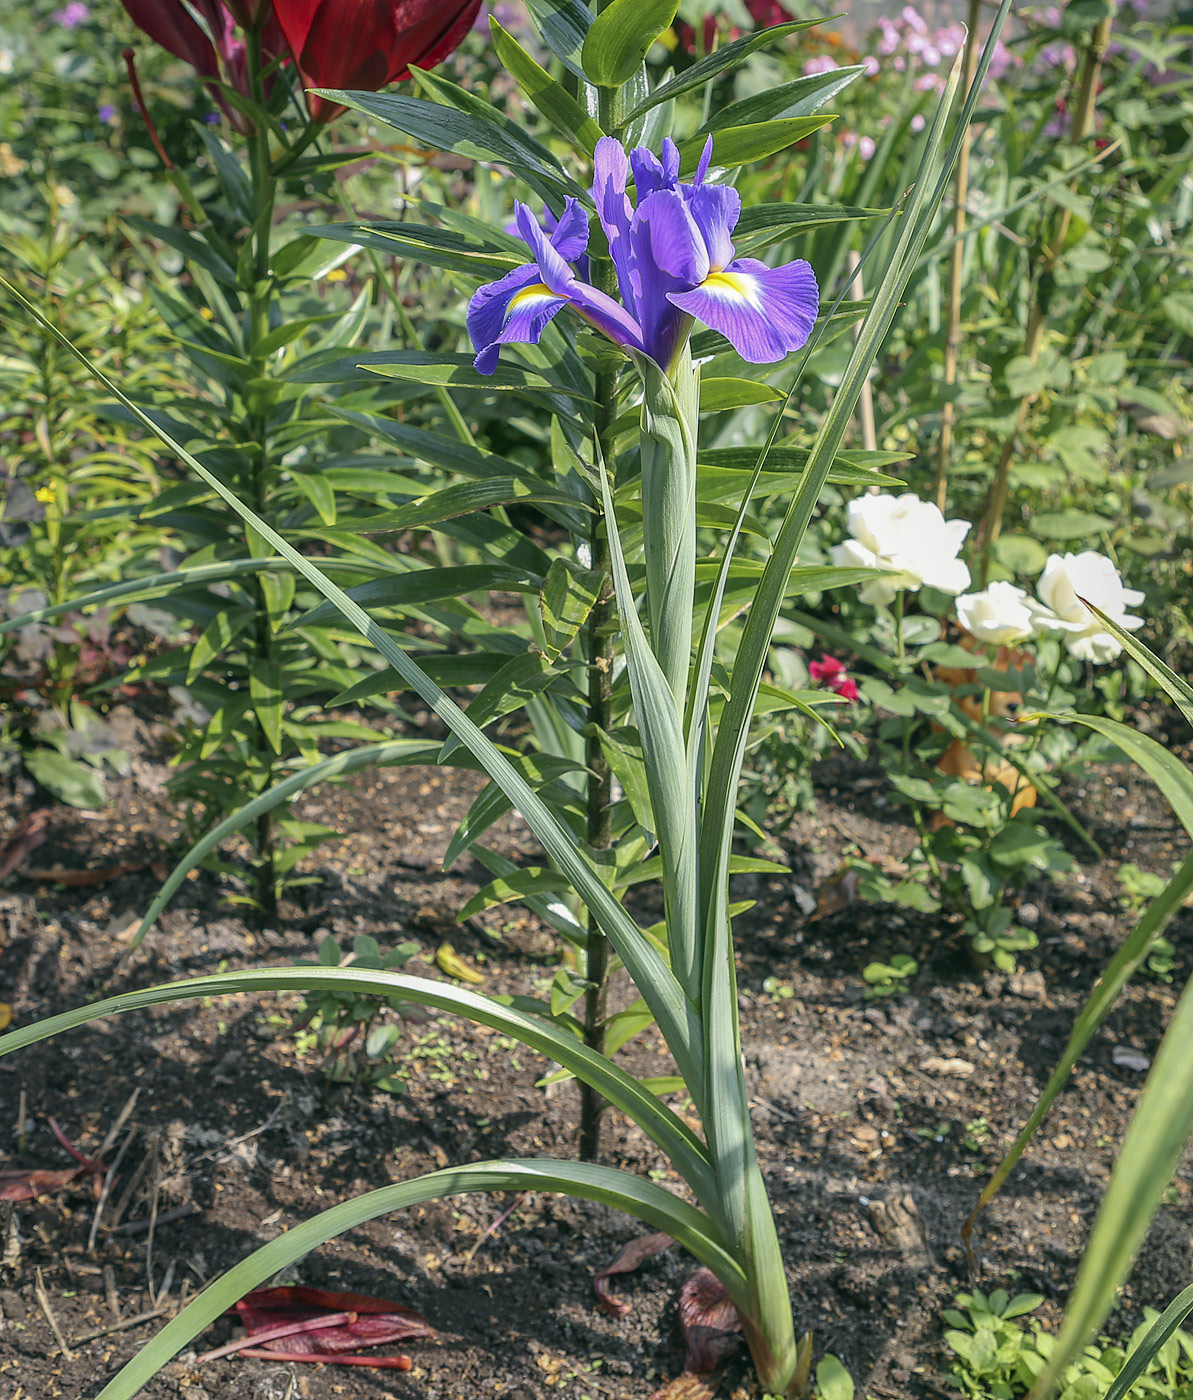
(850, 1107)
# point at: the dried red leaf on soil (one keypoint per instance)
(627, 1259)
(19, 1185)
(356, 1319)
(710, 1323)
(28, 835)
(98, 875)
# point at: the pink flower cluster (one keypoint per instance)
(909, 43)
(832, 674)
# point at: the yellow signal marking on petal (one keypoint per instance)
(735, 286)
(537, 292)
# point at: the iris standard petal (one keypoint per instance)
(610, 176)
(705, 159)
(716, 210)
(569, 234)
(763, 312)
(666, 235)
(513, 310)
(551, 265)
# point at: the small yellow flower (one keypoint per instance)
(337, 274)
(206, 313)
(45, 494)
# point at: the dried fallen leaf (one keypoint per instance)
(28, 835)
(710, 1323)
(626, 1260)
(449, 961)
(98, 875)
(950, 1068)
(5, 1015)
(20, 1185)
(292, 1323)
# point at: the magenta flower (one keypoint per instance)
(832, 673)
(70, 16)
(675, 262)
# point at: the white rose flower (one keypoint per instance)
(999, 615)
(908, 536)
(1065, 581)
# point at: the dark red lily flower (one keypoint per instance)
(293, 1323)
(764, 13)
(831, 673)
(215, 53)
(368, 44)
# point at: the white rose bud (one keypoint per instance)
(907, 536)
(1000, 615)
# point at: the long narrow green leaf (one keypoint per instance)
(671, 799)
(1161, 765)
(1178, 690)
(396, 751)
(1152, 1149)
(621, 1089)
(1159, 1332)
(650, 973)
(1123, 966)
(641, 1199)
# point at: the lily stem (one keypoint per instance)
(599, 640)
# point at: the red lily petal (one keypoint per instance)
(369, 43)
(168, 23)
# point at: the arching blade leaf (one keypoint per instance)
(674, 1013)
(642, 1199)
(1178, 690)
(622, 1090)
(1123, 966)
(1152, 1149)
(403, 751)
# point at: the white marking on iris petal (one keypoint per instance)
(733, 286)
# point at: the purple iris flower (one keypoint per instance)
(675, 263)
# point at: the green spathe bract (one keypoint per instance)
(692, 770)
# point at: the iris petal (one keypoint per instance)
(716, 210)
(513, 310)
(569, 237)
(551, 265)
(763, 312)
(611, 173)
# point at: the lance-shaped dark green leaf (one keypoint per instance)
(796, 99)
(563, 25)
(437, 247)
(761, 225)
(530, 880)
(461, 499)
(854, 461)
(552, 99)
(568, 596)
(674, 1013)
(617, 42)
(464, 133)
(1155, 1141)
(516, 684)
(724, 395)
(744, 145)
(721, 61)
(543, 771)
(419, 586)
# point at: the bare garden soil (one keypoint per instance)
(858, 1105)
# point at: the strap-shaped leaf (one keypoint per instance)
(428, 585)
(743, 145)
(721, 62)
(619, 38)
(644, 1200)
(654, 979)
(1150, 1345)
(1123, 966)
(796, 99)
(1178, 690)
(438, 247)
